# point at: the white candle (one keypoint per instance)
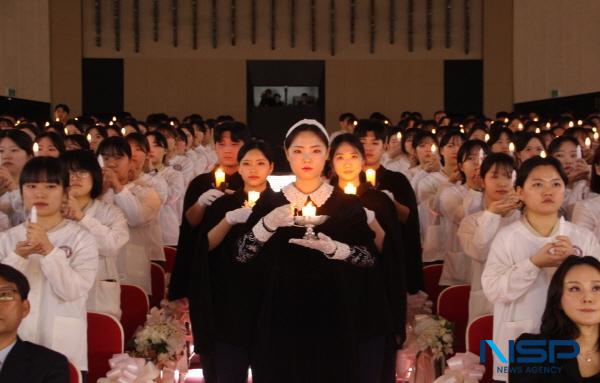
(571, 124)
(520, 126)
(462, 130)
(386, 122)
(172, 123)
(370, 173)
(309, 210)
(399, 136)
(114, 118)
(536, 119)
(579, 154)
(66, 131)
(253, 196)
(543, 154)
(433, 131)
(123, 131)
(34, 215)
(433, 148)
(513, 177)
(36, 147)
(47, 124)
(57, 120)
(548, 125)
(350, 188)
(89, 137)
(355, 123)
(111, 123)
(486, 138)
(511, 147)
(588, 142)
(596, 136)
(101, 161)
(537, 130)
(219, 177)
(481, 155)
(579, 122)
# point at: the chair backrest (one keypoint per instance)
(74, 374)
(453, 304)
(157, 275)
(481, 328)
(431, 281)
(105, 338)
(135, 306)
(170, 253)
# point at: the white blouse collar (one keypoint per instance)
(298, 199)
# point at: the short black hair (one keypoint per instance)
(63, 107)
(115, 145)
(305, 128)
(56, 139)
(20, 138)
(140, 140)
(80, 140)
(476, 127)
(260, 145)
(558, 141)
(527, 167)
(349, 139)
(496, 134)
(238, 130)
(76, 160)
(347, 116)
(422, 135)
(500, 160)
(365, 126)
(100, 129)
(12, 275)
(522, 139)
(44, 169)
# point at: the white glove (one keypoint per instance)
(389, 194)
(208, 197)
(236, 216)
(370, 215)
(332, 249)
(278, 217)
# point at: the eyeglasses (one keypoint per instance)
(8, 295)
(79, 173)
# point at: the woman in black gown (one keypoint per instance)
(225, 294)
(306, 325)
(382, 288)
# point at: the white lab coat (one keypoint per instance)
(515, 286)
(185, 166)
(4, 222)
(399, 164)
(452, 206)
(426, 188)
(155, 237)
(578, 192)
(107, 223)
(171, 210)
(59, 282)
(141, 205)
(475, 234)
(205, 159)
(586, 213)
(11, 204)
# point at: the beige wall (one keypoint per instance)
(497, 56)
(556, 46)
(24, 49)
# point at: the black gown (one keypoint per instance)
(404, 194)
(224, 294)
(306, 329)
(178, 286)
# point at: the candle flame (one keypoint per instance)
(511, 147)
(36, 147)
(537, 130)
(123, 131)
(350, 188)
(219, 177)
(548, 125)
(571, 124)
(543, 154)
(89, 137)
(486, 138)
(588, 142)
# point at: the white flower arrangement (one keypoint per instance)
(162, 339)
(434, 332)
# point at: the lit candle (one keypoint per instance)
(596, 136)
(111, 123)
(76, 118)
(66, 131)
(486, 138)
(513, 177)
(89, 137)
(511, 147)
(579, 122)
(370, 173)
(355, 123)
(101, 161)
(219, 177)
(537, 130)
(123, 131)
(36, 147)
(253, 196)
(520, 126)
(543, 154)
(172, 123)
(350, 188)
(481, 155)
(18, 122)
(309, 210)
(594, 129)
(57, 119)
(571, 124)
(34, 215)
(47, 124)
(506, 120)
(433, 148)
(433, 131)
(386, 122)
(462, 130)
(399, 136)
(114, 118)
(588, 142)
(579, 153)
(548, 125)
(535, 119)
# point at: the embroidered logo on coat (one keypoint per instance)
(68, 251)
(178, 167)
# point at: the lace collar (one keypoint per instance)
(298, 199)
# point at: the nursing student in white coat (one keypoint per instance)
(59, 258)
(564, 149)
(171, 210)
(180, 159)
(179, 163)
(15, 150)
(476, 231)
(106, 222)
(525, 254)
(453, 203)
(587, 212)
(141, 205)
(142, 171)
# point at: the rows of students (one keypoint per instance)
(501, 205)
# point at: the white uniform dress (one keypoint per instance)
(141, 205)
(171, 209)
(578, 192)
(185, 166)
(107, 223)
(399, 164)
(515, 286)
(4, 222)
(427, 187)
(11, 204)
(60, 282)
(155, 238)
(587, 214)
(475, 234)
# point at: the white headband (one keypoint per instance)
(308, 121)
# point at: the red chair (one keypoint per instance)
(157, 274)
(453, 304)
(74, 374)
(482, 328)
(170, 253)
(105, 338)
(431, 279)
(135, 306)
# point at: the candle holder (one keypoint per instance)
(310, 222)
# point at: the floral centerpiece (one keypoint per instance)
(434, 333)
